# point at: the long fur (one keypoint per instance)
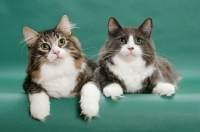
(57, 68)
(128, 58)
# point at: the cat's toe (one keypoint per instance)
(113, 90)
(90, 108)
(39, 113)
(164, 89)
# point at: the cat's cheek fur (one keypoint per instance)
(164, 89)
(39, 105)
(113, 90)
(89, 103)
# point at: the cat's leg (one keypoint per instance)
(113, 90)
(90, 96)
(39, 105)
(164, 89)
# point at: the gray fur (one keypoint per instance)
(164, 70)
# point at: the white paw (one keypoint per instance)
(90, 96)
(89, 108)
(164, 89)
(39, 105)
(113, 90)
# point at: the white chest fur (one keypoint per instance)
(131, 72)
(59, 79)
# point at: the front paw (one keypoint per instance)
(90, 108)
(90, 96)
(164, 89)
(39, 106)
(113, 90)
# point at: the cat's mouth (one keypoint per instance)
(130, 54)
(58, 58)
(55, 59)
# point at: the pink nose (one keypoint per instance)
(131, 48)
(56, 52)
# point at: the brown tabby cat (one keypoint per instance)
(57, 68)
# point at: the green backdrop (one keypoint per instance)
(176, 30)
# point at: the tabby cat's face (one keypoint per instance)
(52, 46)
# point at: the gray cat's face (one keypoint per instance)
(129, 43)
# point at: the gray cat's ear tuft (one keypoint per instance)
(65, 26)
(146, 27)
(30, 36)
(113, 26)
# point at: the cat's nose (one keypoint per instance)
(56, 52)
(131, 48)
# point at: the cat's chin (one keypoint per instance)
(56, 60)
(128, 57)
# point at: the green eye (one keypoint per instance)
(45, 46)
(61, 42)
(122, 40)
(138, 40)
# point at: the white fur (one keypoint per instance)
(113, 90)
(59, 77)
(164, 89)
(131, 72)
(39, 105)
(130, 67)
(90, 96)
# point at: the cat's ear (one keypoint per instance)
(146, 27)
(64, 25)
(30, 36)
(113, 26)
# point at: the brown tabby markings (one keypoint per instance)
(37, 58)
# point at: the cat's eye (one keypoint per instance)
(122, 40)
(45, 46)
(138, 40)
(61, 42)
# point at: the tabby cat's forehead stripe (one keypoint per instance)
(50, 34)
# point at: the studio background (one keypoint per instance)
(176, 30)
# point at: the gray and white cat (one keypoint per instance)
(57, 68)
(128, 63)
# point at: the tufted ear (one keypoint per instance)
(146, 27)
(30, 36)
(113, 26)
(65, 26)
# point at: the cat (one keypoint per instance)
(128, 63)
(57, 68)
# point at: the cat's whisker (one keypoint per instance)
(147, 57)
(95, 51)
(157, 53)
(91, 57)
(103, 64)
(86, 41)
(106, 52)
(163, 55)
